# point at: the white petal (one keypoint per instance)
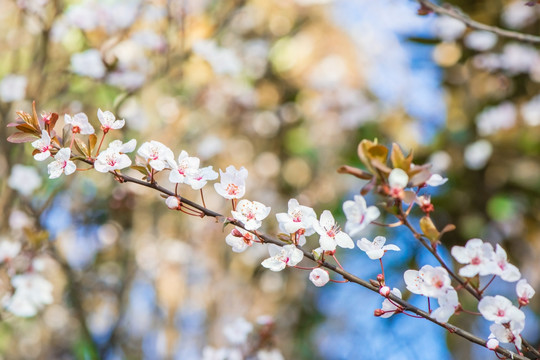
(398, 178)
(327, 220)
(327, 243)
(344, 240)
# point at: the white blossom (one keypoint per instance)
(428, 281)
(436, 180)
(492, 343)
(199, 179)
(43, 145)
(496, 118)
(359, 215)
(237, 332)
(508, 334)
(269, 354)
(172, 202)
(8, 250)
(319, 277)
(499, 310)
(239, 239)
(505, 270)
(24, 179)
(477, 154)
(448, 303)
(223, 61)
(388, 306)
(13, 88)
(281, 257)
(233, 183)
(114, 157)
(183, 170)
(297, 217)
(376, 249)
(32, 292)
(330, 233)
(251, 213)
(448, 28)
(79, 123)
(156, 154)
(61, 164)
(88, 63)
(480, 40)
(524, 291)
(478, 256)
(108, 121)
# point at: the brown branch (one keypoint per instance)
(346, 275)
(455, 13)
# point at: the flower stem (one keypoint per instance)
(100, 143)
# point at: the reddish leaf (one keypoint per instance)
(20, 137)
(28, 129)
(81, 146)
(92, 140)
(54, 119)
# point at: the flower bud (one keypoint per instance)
(378, 312)
(319, 277)
(380, 278)
(384, 291)
(523, 301)
(173, 202)
(492, 344)
(236, 233)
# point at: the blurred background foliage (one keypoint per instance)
(287, 89)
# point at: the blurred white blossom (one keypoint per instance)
(477, 154)
(13, 88)
(88, 63)
(493, 119)
(24, 179)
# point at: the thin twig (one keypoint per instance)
(346, 275)
(452, 11)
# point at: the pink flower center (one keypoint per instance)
(232, 189)
(502, 264)
(250, 215)
(331, 233)
(500, 312)
(64, 164)
(76, 129)
(247, 239)
(111, 161)
(296, 216)
(438, 283)
(476, 261)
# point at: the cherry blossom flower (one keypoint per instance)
(424, 201)
(251, 213)
(199, 179)
(319, 277)
(114, 157)
(376, 249)
(8, 250)
(505, 270)
(448, 303)
(61, 164)
(330, 233)
(509, 333)
(398, 180)
(524, 292)
(43, 145)
(209, 353)
(172, 202)
(156, 154)
(239, 239)
(24, 179)
(492, 343)
(79, 123)
(32, 292)
(436, 180)
(233, 183)
(280, 257)
(108, 121)
(297, 217)
(358, 215)
(388, 306)
(428, 281)
(499, 309)
(478, 256)
(183, 170)
(237, 332)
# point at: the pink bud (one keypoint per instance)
(384, 291)
(236, 233)
(378, 312)
(173, 202)
(492, 344)
(523, 301)
(380, 278)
